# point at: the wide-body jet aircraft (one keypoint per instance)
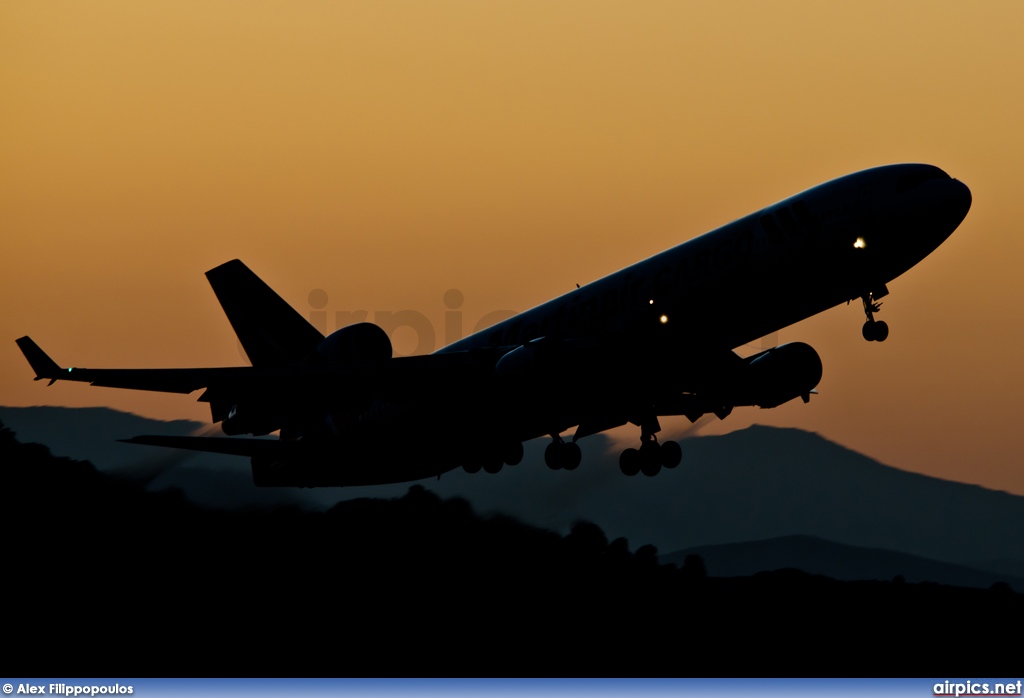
(657, 338)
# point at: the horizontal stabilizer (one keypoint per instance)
(235, 447)
(43, 365)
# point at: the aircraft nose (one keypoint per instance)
(954, 201)
(961, 199)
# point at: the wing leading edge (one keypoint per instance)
(396, 378)
(265, 448)
(165, 380)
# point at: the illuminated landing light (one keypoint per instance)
(664, 319)
(860, 244)
(650, 302)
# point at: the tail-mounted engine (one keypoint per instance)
(356, 343)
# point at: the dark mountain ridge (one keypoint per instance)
(106, 578)
(753, 484)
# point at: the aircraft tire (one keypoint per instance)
(650, 458)
(671, 454)
(881, 331)
(493, 464)
(553, 455)
(629, 462)
(868, 331)
(513, 453)
(472, 467)
(650, 468)
(571, 456)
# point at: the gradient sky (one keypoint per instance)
(386, 152)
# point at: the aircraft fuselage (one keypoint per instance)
(630, 342)
(765, 271)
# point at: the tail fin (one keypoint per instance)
(271, 331)
(43, 365)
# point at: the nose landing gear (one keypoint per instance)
(874, 330)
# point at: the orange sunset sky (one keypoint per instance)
(386, 152)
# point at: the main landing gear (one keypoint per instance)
(652, 456)
(509, 454)
(562, 455)
(873, 330)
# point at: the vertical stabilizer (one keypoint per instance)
(271, 331)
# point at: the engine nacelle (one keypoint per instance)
(780, 374)
(363, 341)
(521, 361)
(540, 359)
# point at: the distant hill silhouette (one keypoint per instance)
(758, 483)
(753, 484)
(91, 433)
(103, 577)
(846, 562)
(88, 433)
(1005, 566)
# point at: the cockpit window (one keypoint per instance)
(912, 179)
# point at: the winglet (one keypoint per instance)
(43, 365)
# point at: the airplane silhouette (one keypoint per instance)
(654, 339)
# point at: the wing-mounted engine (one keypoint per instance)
(539, 356)
(767, 379)
(778, 375)
(545, 358)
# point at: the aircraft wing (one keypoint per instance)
(268, 448)
(390, 379)
(166, 380)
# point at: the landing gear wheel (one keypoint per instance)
(671, 454)
(513, 453)
(629, 462)
(881, 331)
(493, 464)
(553, 455)
(650, 468)
(472, 467)
(875, 331)
(650, 458)
(571, 456)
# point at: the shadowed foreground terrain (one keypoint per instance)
(749, 485)
(105, 578)
(835, 560)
